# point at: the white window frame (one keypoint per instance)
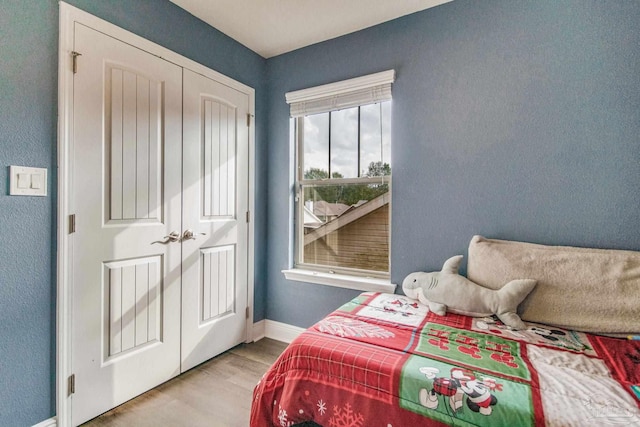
(322, 99)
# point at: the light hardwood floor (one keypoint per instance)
(216, 393)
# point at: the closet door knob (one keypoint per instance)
(190, 235)
(174, 236)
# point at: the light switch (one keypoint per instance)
(25, 181)
(36, 181)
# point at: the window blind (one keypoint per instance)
(340, 95)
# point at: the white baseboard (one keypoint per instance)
(51, 422)
(275, 330)
(281, 331)
(258, 330)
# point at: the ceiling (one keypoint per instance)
(272, 27)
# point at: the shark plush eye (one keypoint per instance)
(415, 280)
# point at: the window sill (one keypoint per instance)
(370, 284)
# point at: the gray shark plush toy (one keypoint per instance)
(447, 290)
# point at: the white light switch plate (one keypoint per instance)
(26, 181)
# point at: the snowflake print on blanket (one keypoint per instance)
(345, 327)
(322, 407)
(346, 417)
(282, 417)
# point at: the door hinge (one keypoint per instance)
(248, 119)
(71, 384)
(248, 216)
(247, 313)
(75, 55)
(72, 223)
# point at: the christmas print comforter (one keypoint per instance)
(384, 360)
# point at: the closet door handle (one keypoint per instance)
(190, 235)
(174, 236)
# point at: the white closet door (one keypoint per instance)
(126, 194)
(215, 202)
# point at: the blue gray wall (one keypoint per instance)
(28, 108)
(511, 119)
(28, 97)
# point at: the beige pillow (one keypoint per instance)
(591, 290)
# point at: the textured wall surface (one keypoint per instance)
(28, 108)
(28, 96)
(512, 119)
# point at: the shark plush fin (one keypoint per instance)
(437, 308)
(452, 265)
(509, 298)
(512, 320)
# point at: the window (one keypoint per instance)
(343, 176)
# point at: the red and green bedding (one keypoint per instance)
(384, 360)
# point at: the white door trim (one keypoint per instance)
(68, 16)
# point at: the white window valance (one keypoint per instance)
(339, 95)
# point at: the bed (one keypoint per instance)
(385, 360)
